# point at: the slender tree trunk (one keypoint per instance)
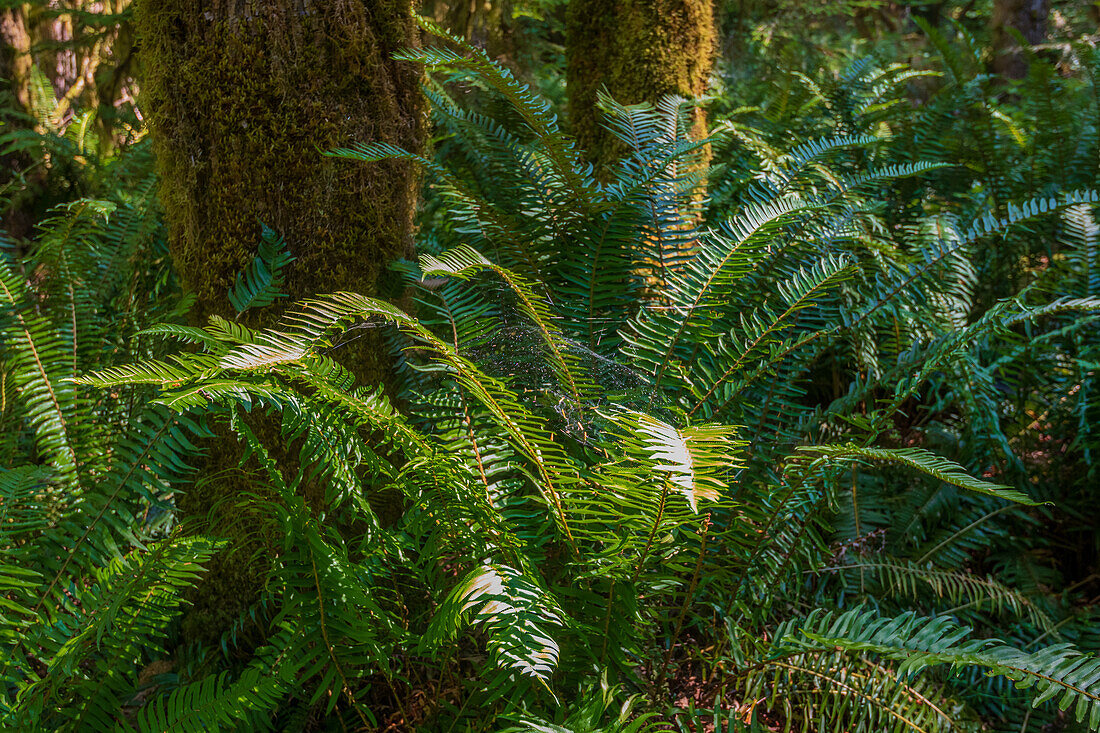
(17, 215)
(15, 53)
(1029, 17)
(484, 23)
(640, 51)
(242, 96)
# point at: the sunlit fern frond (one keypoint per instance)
(515, 612)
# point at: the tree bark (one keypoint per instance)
(17, 213)
(15, 53)
(1029, 17)
(241, 97)
(487, 24)
(640, 51)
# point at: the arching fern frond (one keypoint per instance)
(925, 462)
(1058, 671)
(261, 283)
(515, 612)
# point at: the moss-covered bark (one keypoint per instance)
(640, 50)
(242, 96)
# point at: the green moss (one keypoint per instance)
(640, 50)
(242, 97)
(241, 106)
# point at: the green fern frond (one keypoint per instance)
(907, 579)
(262, 282)
(515, 613)
(118, 615)
(461, 261)
(1058, 671)
(696, 459)
(927, 463)
(215, 702)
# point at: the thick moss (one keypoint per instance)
(242, 96)
(640, 50)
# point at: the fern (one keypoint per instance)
(626, 439)
(515, 613)
(262, 282)
(925, 462)
(1056, 672)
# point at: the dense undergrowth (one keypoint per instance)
(815, 453)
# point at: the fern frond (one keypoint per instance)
(461, 261)
(1058, 671)
(216, 701)
(261, 283)
(695, 459)
(515, 613)
(904, 578)
(927, 463)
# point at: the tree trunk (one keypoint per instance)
(17, 215)
(1029, 17)
(640, 50)
(241, 97)
(15, 53)
(487, 24)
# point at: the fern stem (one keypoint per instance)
(773, 327)
(462, 396)
(332, 651)
(869, 699)
(99, 515)
(764, 535)
(1052, 630)
(72, 312)
(54, 402)
(855, 519)
(689, 595)
(954, 536)
(667, 485)
(607, 621)
(641, 561)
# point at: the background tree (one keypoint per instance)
(61, 61)
(1026, 17)
(15, 47)
(489, 24)
(241, 99)
(15, 80)
(640, 51)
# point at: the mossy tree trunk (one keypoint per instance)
(241, 97)
(640, 51)
(15, 53)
